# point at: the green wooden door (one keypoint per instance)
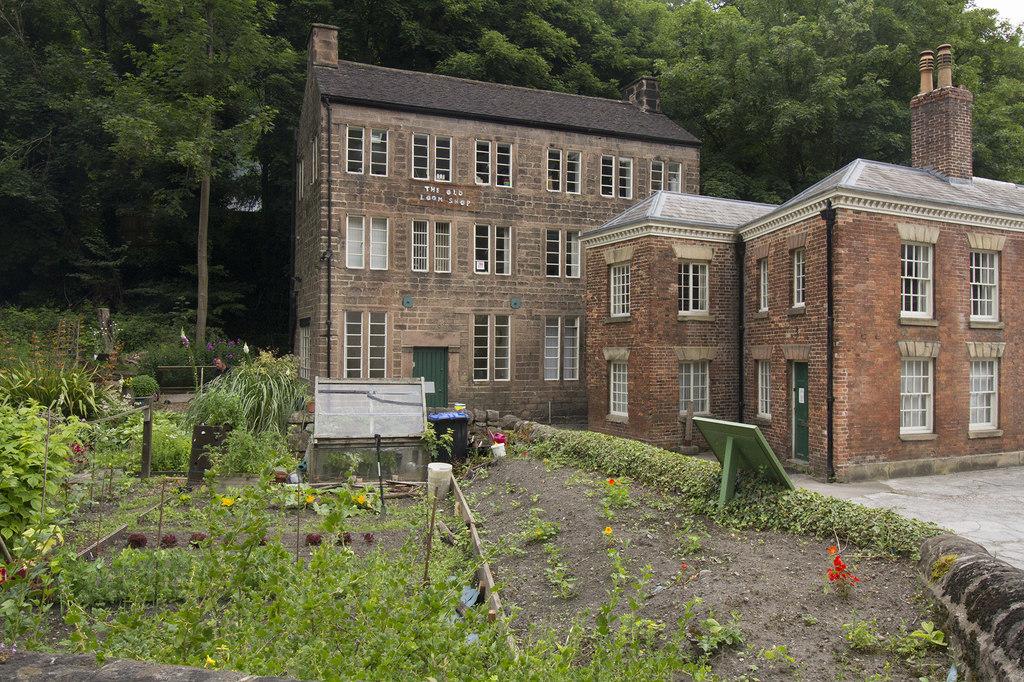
(432, 365)
(800, 410)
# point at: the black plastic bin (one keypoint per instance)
(456, 423)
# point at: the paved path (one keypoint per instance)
(984, 506)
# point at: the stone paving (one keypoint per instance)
(984, 506)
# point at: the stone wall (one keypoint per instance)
(30, 666)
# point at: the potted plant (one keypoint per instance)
(143, 388)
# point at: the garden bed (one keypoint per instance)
(772, 584)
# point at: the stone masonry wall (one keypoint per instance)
(443, 305)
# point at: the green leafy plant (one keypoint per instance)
(70, 391)
(537, 529)
(144, 385)
(432, 442)
(217, 408)
(712, 634)
(172, 444)
(862, 635)
(248, 453)
(267, 387)
(616, 496)
(557, 572)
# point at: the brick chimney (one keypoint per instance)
(941, 119)
(643, 93)
(323, 45)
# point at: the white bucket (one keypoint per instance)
(439, 479)
(498, 449)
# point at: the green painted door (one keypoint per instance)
(800, 410)
(432, 365)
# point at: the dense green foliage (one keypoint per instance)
(267, 389)
(757, 506)
(172, 443)
(23, 450)
(70, 391)
(246, 453)
(144, 385)
(103, 129)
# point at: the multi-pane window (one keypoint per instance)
(354, 150)
(666, 175)
(503, 172)
(607, 176)
(693, 287)
(561, 348)
(500, 166)
(573, 172)
(492, 347)
(355, 242)
(572, 253)
(442, 157)
(379, 152)
(625, 177)
(693, 387)
(500, 260)
(762, 272)
(916, 396)
(442, 247)
(420, 246)
(554, 170)
(984, 285)
(618, 389)
(378, 243)
(483, 162)
(984, 394)
(764, 389)
(553, 253)
(373, 328)
(798, 277)
(303, 349)
(618, 279)
(916, 280)
(299, 175)
(617, 175)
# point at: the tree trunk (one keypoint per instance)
(202, 271)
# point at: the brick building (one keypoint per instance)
(437, 225)
(725, 307)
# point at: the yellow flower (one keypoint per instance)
(608, 530)
(361, 500)
(227, 501)
(209, 661)
(310, 499)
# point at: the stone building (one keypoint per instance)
(862, 324)
(437, 225)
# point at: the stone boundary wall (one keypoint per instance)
(984, 598)
(31, 665)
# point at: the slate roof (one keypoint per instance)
(692, 210)
(904, 182)
(378, 86)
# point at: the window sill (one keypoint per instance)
(683, 415)
(617, 319)
(797, 310)
(985, 433)
(986, 324)
(763, 419)
(617, 418)
(760, 315)
(911, 437)
(919, 322)
(694, 317)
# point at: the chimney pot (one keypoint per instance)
(926, 66)
(644, 94)
(323, 45)
(945, 59)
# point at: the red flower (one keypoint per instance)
(683, 566)
(611, 481)
(833, 550)
(3, 575)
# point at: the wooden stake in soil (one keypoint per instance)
(147, 439)
(46, 460)
(7, 553)
(160, 523)
(430, 542)
(298, 520)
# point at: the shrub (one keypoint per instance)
(757, 506)
(22, 448)
(245, 453)
(167, 353)
(269, 389)
(216, 408)
(144, 385)
(172, 444)
(70, 391)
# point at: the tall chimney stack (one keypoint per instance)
(323, 45)
(644, 94)
(941, 120)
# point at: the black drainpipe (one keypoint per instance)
(330, 233)
(829, 216)
(741, 250)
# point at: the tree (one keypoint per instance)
(195, 99)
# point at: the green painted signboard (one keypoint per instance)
(740, 447)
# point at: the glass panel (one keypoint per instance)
(355, 150)
(420, 145)
(481, 348)
(442, 247)
(607, 176)
(572, 172)
(354, 242)
(378, 345)
(554, 170)
(443, 159)
(483, 162)
(552, 253)
(503, 176)
(551, 348)
(420, 246)
(502, 349)
(482, 249)
(503, 250)
(572, 253)
(571, 348)
(625, 178)
(378, 243)
(353, 345)
(378, 152)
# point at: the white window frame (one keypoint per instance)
(385, 140)
(420, 242)
(696, 388)
(352, 346)
(552, 348)
(449, 167)
(607, 175)
(355, 258)
(571, 253)
(554, 172)
(315, 159)
(624, 178)
(482, 147)
(799, 259)
(376, 328)
(657, 175)
(764, 389)
(909, 392)
(618, 290)
(618, 388)
(694, 304)
(502, 374)
(305, 328)
(573, 172)
(443, 250)
(552, 257)
(991, 394)
(503, 149)
(499, 359)
(763, 290)
(674, 176)
(502, 235)
(486, 348)
(424, 156)
(561, 349)
(907, 294)
(984, 293)
(475, 250)
(571, 349)
(350, 150)
(379, 248)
